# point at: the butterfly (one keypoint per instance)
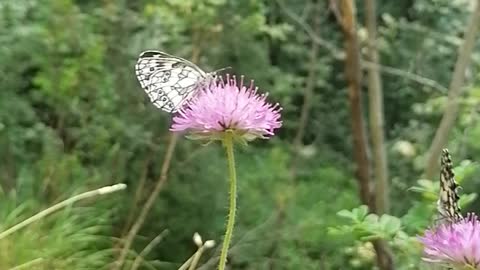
(169, 81)
(447, 204)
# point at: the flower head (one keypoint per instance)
(223, 106)
(455, 245)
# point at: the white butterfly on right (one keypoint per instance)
(168, 80)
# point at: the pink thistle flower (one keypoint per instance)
(225, 106)
(454, 245)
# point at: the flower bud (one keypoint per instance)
(197, 239)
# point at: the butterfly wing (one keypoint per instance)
(169, 81)
(447, 203)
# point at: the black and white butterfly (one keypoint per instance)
(447, 204)
(168, 80)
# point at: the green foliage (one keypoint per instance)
(69, 239)
(368, 227)
(364, 228)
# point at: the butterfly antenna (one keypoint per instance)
(222, 69)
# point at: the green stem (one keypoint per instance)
(60, 205)
(196, 258)
(228, 144)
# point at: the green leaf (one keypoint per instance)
(390, 224)
(346, 214)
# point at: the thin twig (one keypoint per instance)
(405, 74)
(60, 205)
(147, 249)
(138, 194)
(148, 205)
(333, 7)
(308, 93)
(191, 156)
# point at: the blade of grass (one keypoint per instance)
(60, 205)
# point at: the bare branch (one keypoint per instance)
(376, 113)
(353, 75)
(147, 249)
(406, 74)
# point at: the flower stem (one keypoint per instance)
(228, 144)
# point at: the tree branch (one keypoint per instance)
(148, 205)
(353, 76)
(148, 248)
(360, 144)
(376, 114)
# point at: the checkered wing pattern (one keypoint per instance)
(447, 203)
(169, 81)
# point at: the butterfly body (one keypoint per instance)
(168, 80)
(447, 203)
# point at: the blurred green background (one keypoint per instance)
(74, 118)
